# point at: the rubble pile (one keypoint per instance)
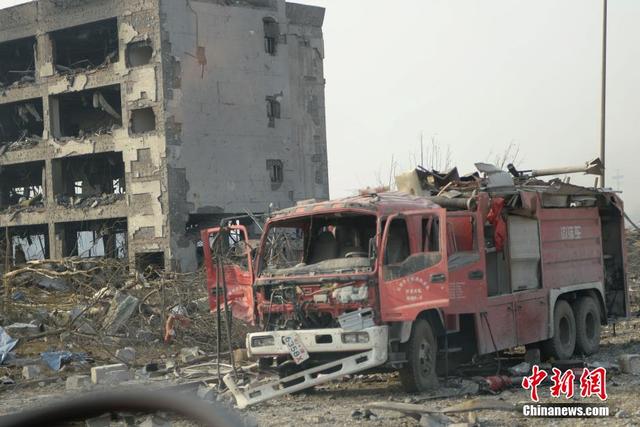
(24, 142)
(24, 205)
(93, 310)
(88, 201)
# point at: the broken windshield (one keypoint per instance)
(322, 244)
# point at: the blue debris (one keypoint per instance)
(6, 345)
(55, 359)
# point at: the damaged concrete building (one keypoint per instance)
(127, 125)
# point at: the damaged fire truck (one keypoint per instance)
(424, 279)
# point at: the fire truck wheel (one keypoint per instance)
(587, 326)
(563, 342)
(419, 373)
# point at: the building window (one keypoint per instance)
(275, 169)
(273, 111)
(271, 35)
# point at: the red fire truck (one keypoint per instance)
(417, 282)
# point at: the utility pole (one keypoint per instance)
(603, 106)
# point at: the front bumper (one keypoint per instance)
(315, 341)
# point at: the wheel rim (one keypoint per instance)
(425, 358)
(565, 333)
(590, 325)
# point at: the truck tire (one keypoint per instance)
(587, 314)
(419, 373)
(563, 342)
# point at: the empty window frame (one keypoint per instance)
(139, 53)
(86, 46)
(142, 121)
(89, 112)
(96, 239)
(150, 263)
(273, 110)
(275, 168)
(29, 243)
(21, 182)
(17, 61)
(271, 35)
(89, 175)
(21, 121)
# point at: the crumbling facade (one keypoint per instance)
(127, 125)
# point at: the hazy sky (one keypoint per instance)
(477, 75)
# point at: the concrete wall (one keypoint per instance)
(146, 201)
(207, 83)
(218, 77)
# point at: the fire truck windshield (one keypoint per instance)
(319, 244)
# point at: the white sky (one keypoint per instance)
(477, 75)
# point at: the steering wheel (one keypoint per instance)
(95, 404)
(355, 254)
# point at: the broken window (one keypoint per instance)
(22, 184)
(139, 53)
(96, 239)
(21, 124)
(273, 110)
(150, 263)
(17, 61)
(271, 35)
(275, 168)
(89, 112)
(319, 244)
(86, 46)
(143, 120)
(28, 243)
(94, 177)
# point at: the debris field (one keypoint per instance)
(82, 325)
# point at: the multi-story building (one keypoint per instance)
(125, 125)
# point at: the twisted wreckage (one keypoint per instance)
(423, 279)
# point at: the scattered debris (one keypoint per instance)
(155, 421)
(6, 344)
(101, 421)
(127, 354)
(189, 354)
(31, 372)
(22, 329)
(56, 359)
(93, 201)
(122, 308)
(630, 363)
(100, 374)
(78, 382)
(206, 393)
(364, 414)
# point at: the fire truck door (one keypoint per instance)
(227, 259)
(413, 272)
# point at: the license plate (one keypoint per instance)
(297, 350)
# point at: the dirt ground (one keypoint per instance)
(342, 403)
